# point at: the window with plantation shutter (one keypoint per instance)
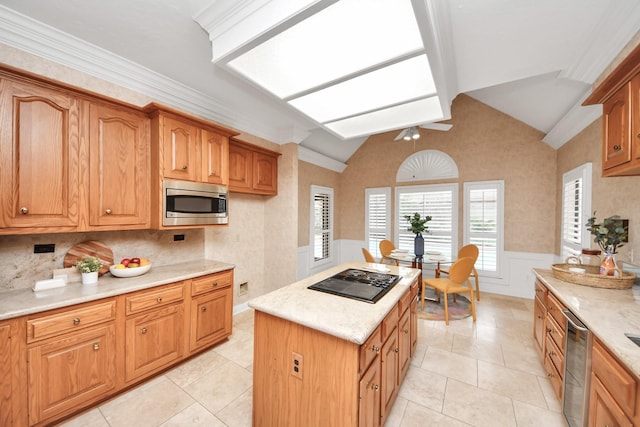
(378, 218)
(484, 223)
(576, 209)
(322, 223)
(438, 201)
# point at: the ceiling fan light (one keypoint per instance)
(407, 137)
(416, 134)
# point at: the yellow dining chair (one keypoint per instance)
(457, 283)
(367, 256)
(467, 251)
(386, 246)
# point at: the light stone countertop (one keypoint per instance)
(25, 301)
(607, 313)
(345, 318)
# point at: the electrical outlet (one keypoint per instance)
(44, 249)
(178, 237)
(296, 365)
(244, 288)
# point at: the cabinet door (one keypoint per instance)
(215, 158)
(616, 119)
(39, 149)
(240, 168)
(6, 410)
(211, 318)
(369, 410)
(119, 167)
(153, 341)
(68, 373)
(603, 409)
(179, 144)
(539, 311)
(265, 173)
(414, 325)
(390, 366)
(404, 345)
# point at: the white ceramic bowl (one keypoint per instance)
(129, 272)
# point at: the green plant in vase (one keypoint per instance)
(609, 235)
(89, 264)
(418, 225)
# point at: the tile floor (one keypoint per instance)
(466, 374)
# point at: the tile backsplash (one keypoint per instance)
(21, 268)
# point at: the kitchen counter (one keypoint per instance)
(608, 313)
(338, 316)
(25, 301)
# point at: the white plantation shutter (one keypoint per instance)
(484, 223)
(576, 208)
(322, 223)
(378, 218)
(437, 201)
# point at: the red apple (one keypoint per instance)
(135, 260)
(125, 261)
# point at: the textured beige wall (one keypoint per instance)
(308, 175)
(486, 145)
(610, 196)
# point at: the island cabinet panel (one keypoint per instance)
(119, 163)
(390, 371)
(369, 411)
(39, 155)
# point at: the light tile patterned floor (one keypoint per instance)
(466, 374)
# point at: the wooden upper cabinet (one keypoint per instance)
(179, 140)
(39, 149)
(619, 95)
(119, 193)
(252, 169)
(215, 157)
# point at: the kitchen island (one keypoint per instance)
(321, 359)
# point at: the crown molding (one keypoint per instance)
(26, 34)
(310, 156)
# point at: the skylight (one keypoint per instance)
(356, 67)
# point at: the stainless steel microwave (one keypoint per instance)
(193, 203)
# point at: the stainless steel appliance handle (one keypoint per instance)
(575, 322)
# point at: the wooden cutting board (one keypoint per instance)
(90, 248)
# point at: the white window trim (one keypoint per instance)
(386, 191)
(315, 189)
(585, 172)
(499, 185)
(453, 187)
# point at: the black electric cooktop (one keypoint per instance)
(356, 284)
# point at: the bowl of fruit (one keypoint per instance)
(130, 267)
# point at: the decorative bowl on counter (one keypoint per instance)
(129, 272)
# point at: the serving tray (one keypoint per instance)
(590, 277)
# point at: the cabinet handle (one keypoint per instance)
(617, 147)
(76, 321)
(143, 330)
(203, 308)
(395, 350)
(108, 211)
(159, 299)
(214, 284)
(24, 211)
(375, 348)
(96, 346)
(184, 167)
(375, 386)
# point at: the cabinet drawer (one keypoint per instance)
(615, 378)
(555, 308)
(60, 323)
(211, 282)
(556, 333)
(557, 358)
(153, 298)
(554, 377)
(404, 303)
(370, 349)
(390, 323)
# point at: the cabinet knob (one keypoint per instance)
(76, 321)
(159, 299)
(375, 348)
(406, 331)
(184, 167)
(24, 211)
(96, 346)
(617, 147)
(203, 308)
(108, 211)
(375, 386)
(214, 284)
(143, 330)
(395, 350)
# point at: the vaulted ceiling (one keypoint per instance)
(535, 60)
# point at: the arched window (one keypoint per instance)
(427, 165)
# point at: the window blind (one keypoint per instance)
(322, 226)
(378, 218)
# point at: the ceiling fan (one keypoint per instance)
(411, 133)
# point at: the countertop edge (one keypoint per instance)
(607, 313)
(23, 302)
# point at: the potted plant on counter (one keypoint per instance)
(89, 267)
(609, 235)
(418, 225)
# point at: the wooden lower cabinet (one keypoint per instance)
(339, 383)
(57, 363)
(70, 371)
